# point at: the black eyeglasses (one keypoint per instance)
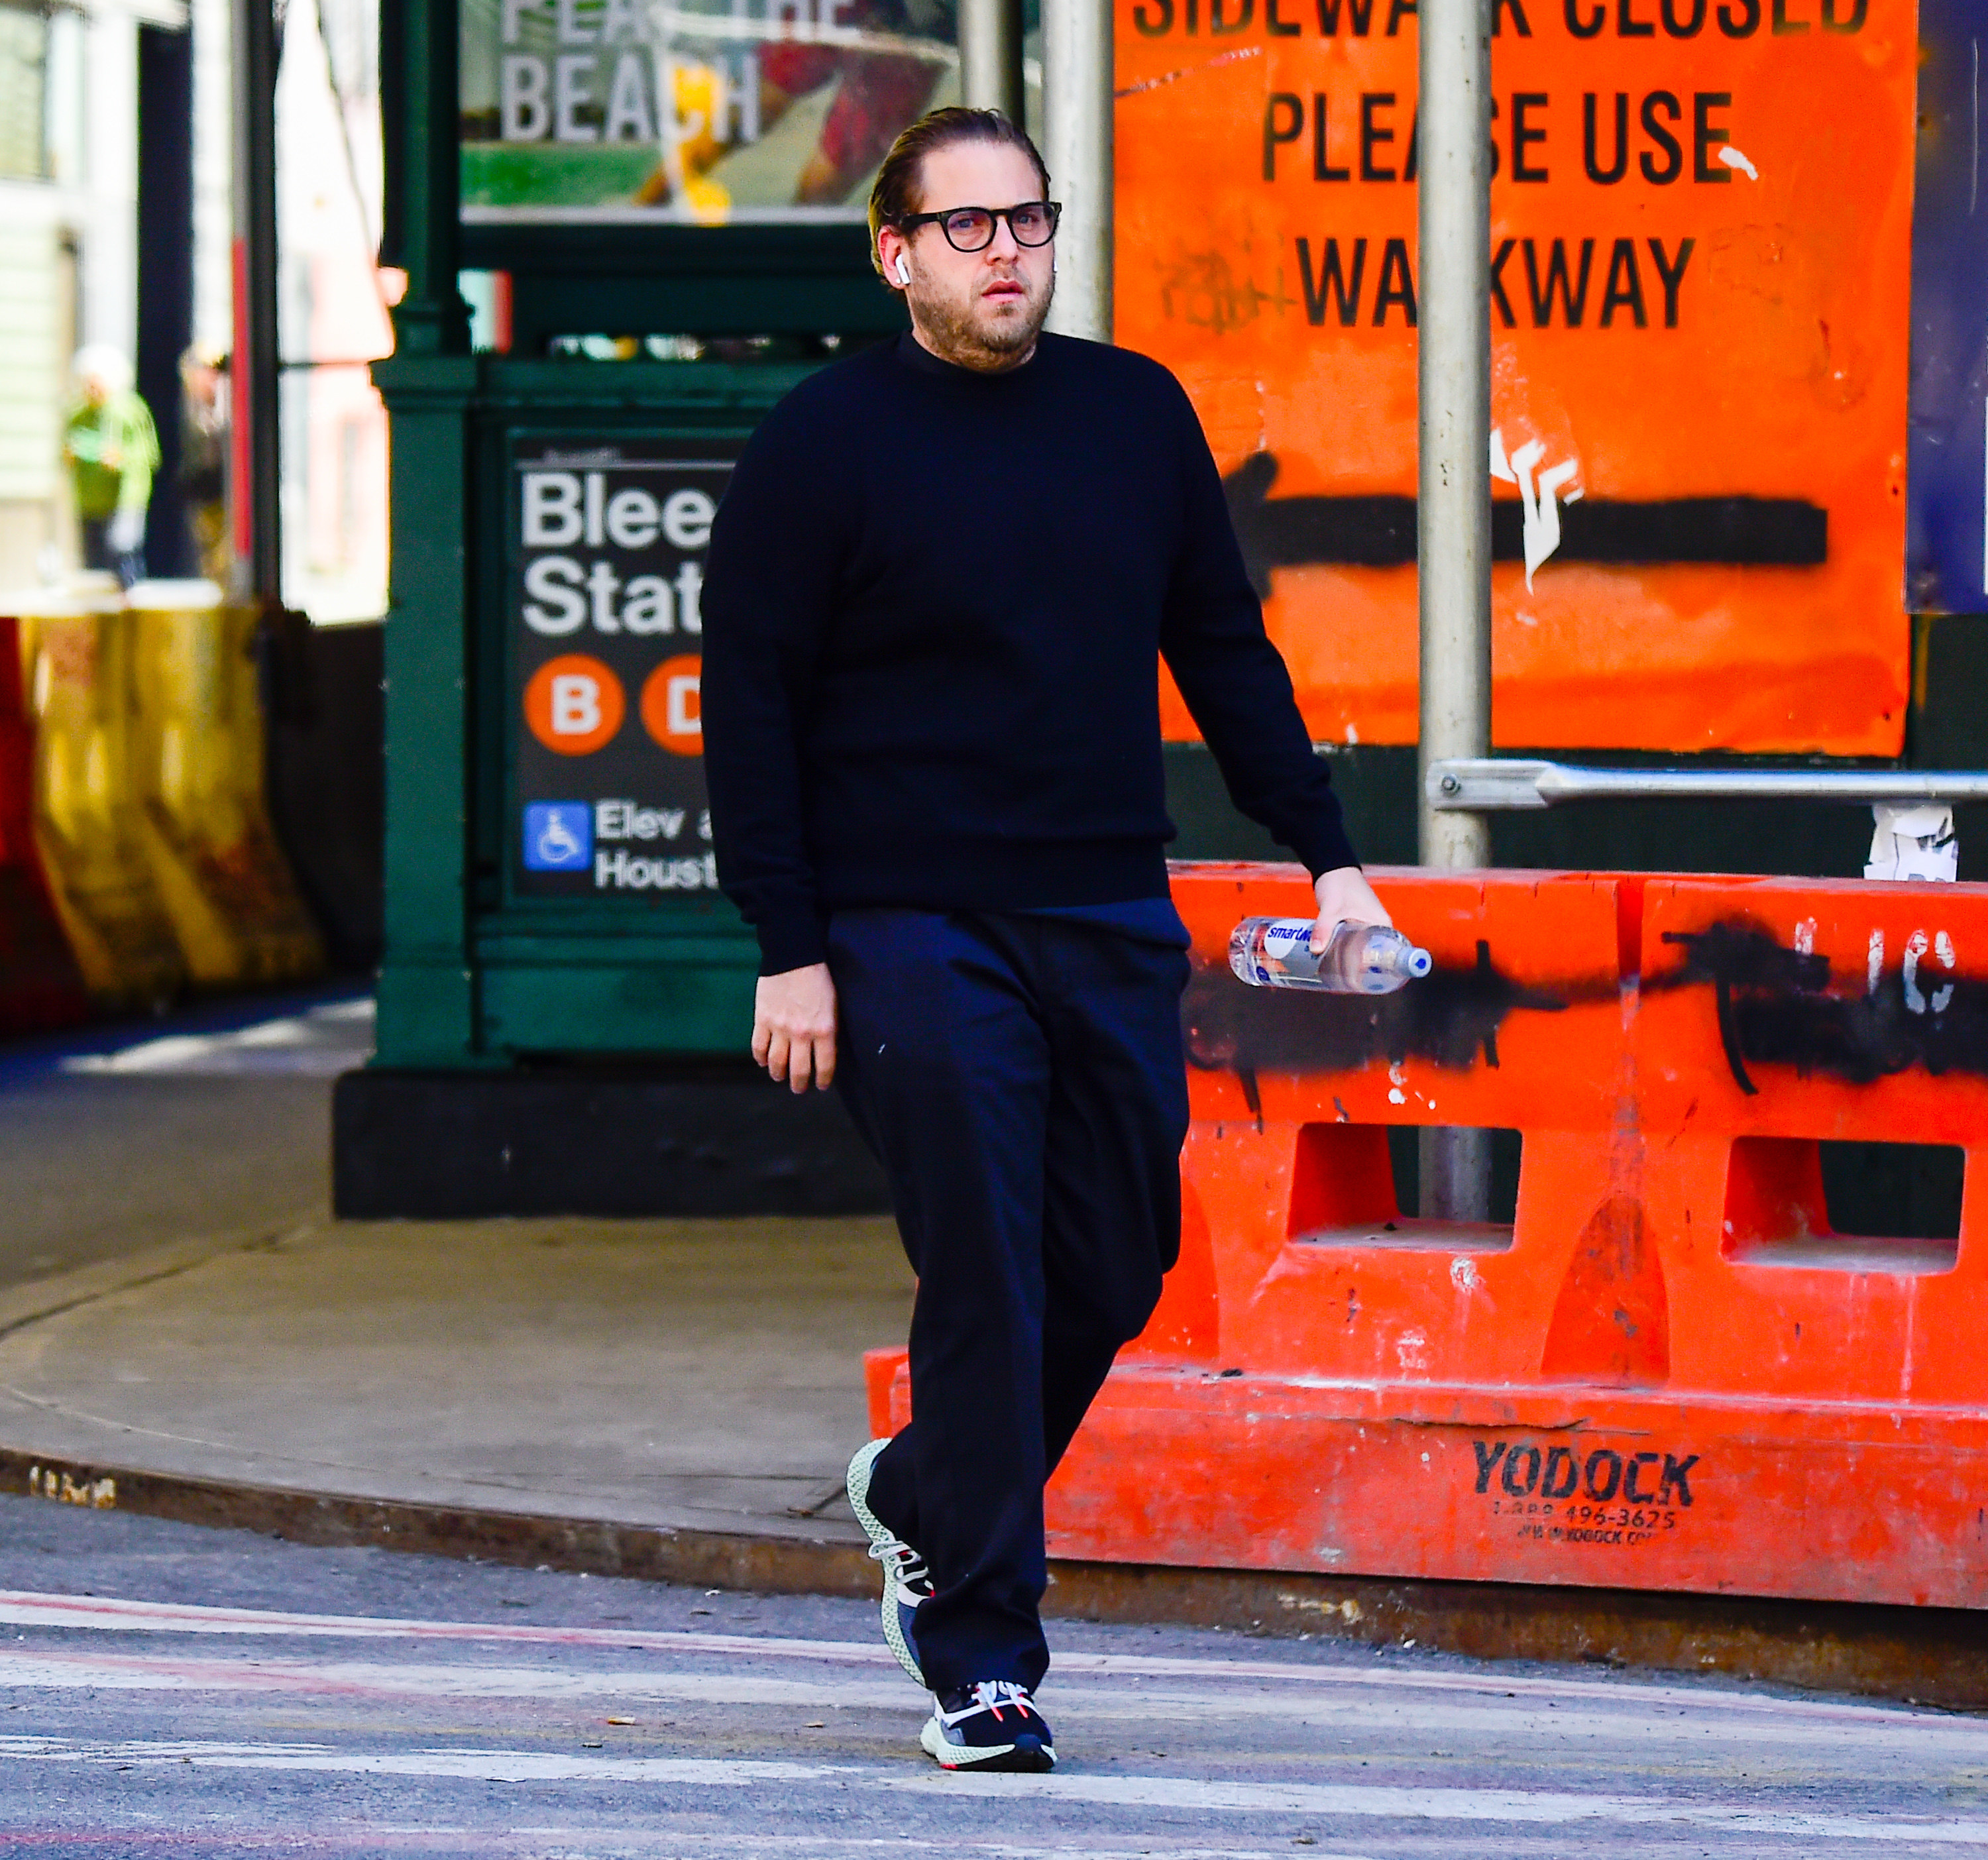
(971, 228)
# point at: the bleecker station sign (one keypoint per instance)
(1699, 278)
(605, 620)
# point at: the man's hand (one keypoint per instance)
(1344, 896)
(793, 1025)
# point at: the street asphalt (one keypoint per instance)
(165, 1689)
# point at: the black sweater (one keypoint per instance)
(935, 602)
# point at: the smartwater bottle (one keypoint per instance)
(1359, 959)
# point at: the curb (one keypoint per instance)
(708, 1559)
(1933, 1657)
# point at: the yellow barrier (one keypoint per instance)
(75, 652)
(197, 770)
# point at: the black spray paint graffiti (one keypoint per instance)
(1379, 531)
(1774, 1007)
(1448, 1019)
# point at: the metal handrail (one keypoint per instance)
(1492, 786)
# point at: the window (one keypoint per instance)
(24, 58)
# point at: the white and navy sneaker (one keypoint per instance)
(906, 1583)
(992, 1725)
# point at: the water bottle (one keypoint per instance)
(1360, 959)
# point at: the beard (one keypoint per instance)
(976, 331)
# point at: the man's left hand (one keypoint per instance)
(1344, 896)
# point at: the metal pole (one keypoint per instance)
(254, 473)
(990, 56)
(419, 105)
(1454, 507)
(1508, 786)
(1077, 127)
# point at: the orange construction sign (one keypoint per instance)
(1700, 288)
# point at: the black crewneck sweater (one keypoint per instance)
(935, 603)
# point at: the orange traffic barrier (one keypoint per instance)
(40, 986)
(1668, 1371)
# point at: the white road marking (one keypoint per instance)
(32, 1608)
(1707, 1730)
(59, 1671)
(592, 1842)
(111, 1614)
(620, 1838)
(1508, 1807)
(596, 1841)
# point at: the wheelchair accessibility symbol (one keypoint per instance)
(558, 836)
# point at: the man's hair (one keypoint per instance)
(900, 189)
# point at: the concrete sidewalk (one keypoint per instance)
(681, 1375)
(180, 1316)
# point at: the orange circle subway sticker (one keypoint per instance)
(574, 704)
(672, 710)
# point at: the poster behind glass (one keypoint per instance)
(694, 112)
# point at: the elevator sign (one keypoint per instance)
(605, 619)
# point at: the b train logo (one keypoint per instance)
(574, 704)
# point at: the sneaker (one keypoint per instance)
(992, 1725)
(906, 1583)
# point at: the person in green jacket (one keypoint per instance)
(113, 449)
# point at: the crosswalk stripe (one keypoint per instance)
(1358, 1802)
(735, 1845)
(59, 1669)
(52, 1671)
(30, 1608)
(591, 1841)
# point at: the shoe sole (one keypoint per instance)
(858, 1483)
(1029, 1759)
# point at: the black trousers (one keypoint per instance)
(1021, 1079)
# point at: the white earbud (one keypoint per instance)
(904, 269)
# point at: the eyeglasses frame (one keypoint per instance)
(1000, 215)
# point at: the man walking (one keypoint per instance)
(938, 589)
